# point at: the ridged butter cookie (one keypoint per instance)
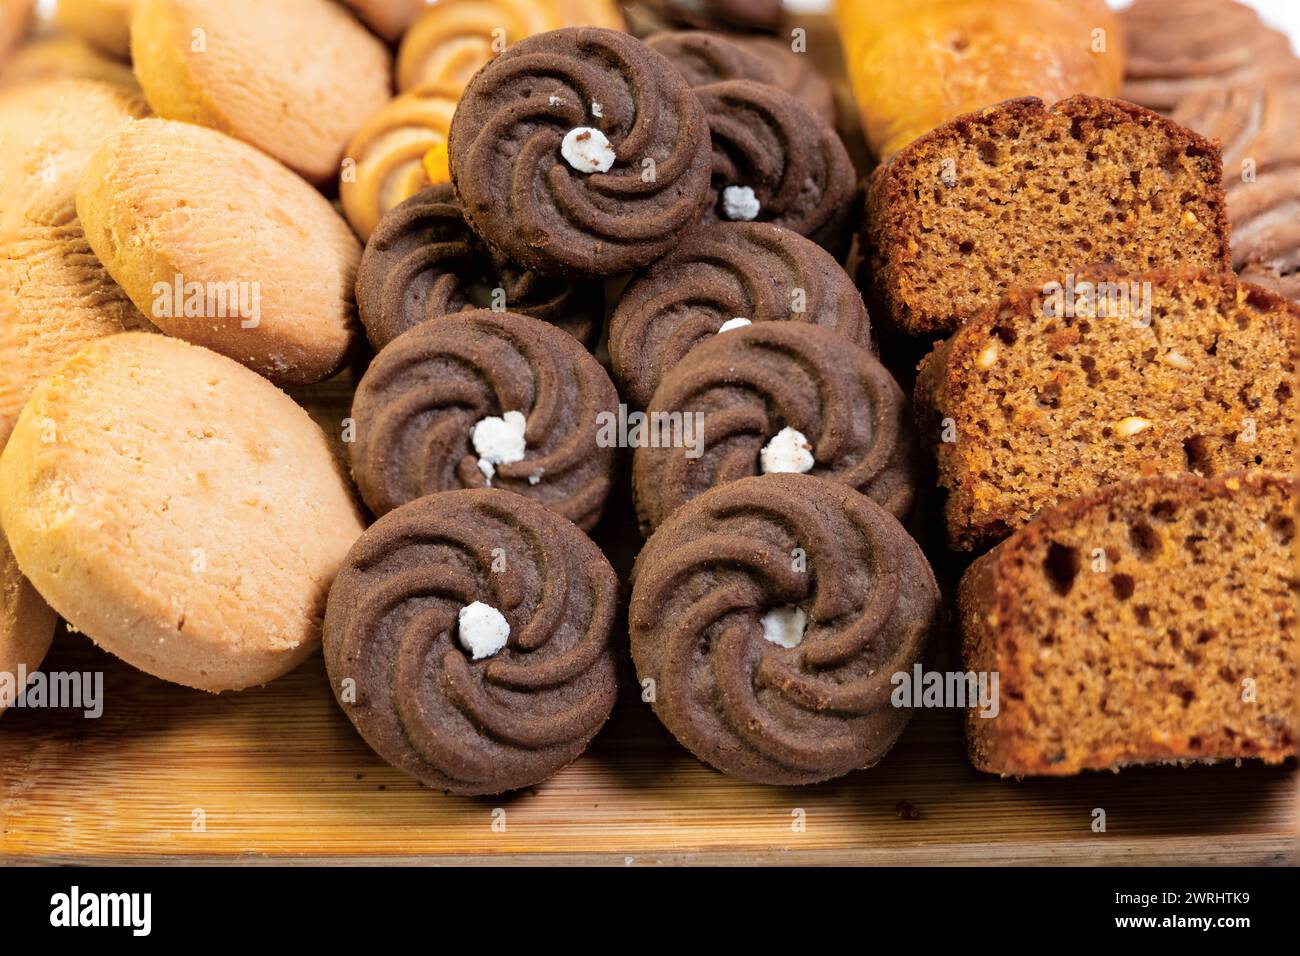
(580, 152)
(771, 615)
(55, 295)
(222, 246)
(384, 164)
(295, 78)
(485, 399)
(424, 262)
(720, 273)
(178, 509)
(777, 397)
(452, 39)
(468, 640)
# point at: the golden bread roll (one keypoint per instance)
(915, 64)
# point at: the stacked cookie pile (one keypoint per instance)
(180, 261)
(741, 350)
(584, 250)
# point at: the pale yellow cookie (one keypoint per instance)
(384, 163)
(55, 296)
(26, 627)
(295, 78)
(219, 244)
(15, 21)
(65, 56)
(448, 43)
(105, 24)
(178, 509)
(388, 18)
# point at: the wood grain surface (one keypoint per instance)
(169, 775)
(278, 774)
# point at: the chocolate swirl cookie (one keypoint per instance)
(1178, 47)
(423, 261)
(1258, 125)
(777, 397)
(775, 160)
(771, 614)
(704, 58)
(580, 152)
(721, 272)
(467, 639)
(484, 399)
(719, 14)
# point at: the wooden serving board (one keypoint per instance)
(171, 775)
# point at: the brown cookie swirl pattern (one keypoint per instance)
(1175, 48)
(484, 399)
(775, 160)
(580, 152)
(704, 58)
(1258, 125)
(724, 271)
(771, 614)
(467, 639)
(720, 14)
(424, 262)
(778, 396)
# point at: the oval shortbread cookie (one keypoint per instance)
(222, 246)
(26, 627)
(179, 510)
(55, 296)
(294, 78)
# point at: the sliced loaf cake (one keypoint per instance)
(1018, 191)
(1150, 621)
(1095, 378)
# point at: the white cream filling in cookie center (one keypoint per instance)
(784, 626)
(739, 204)
(498, 441)
(482, 630)
(739, 322)
(587, 150)
(788, 451)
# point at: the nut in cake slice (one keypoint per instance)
(1099, 377)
